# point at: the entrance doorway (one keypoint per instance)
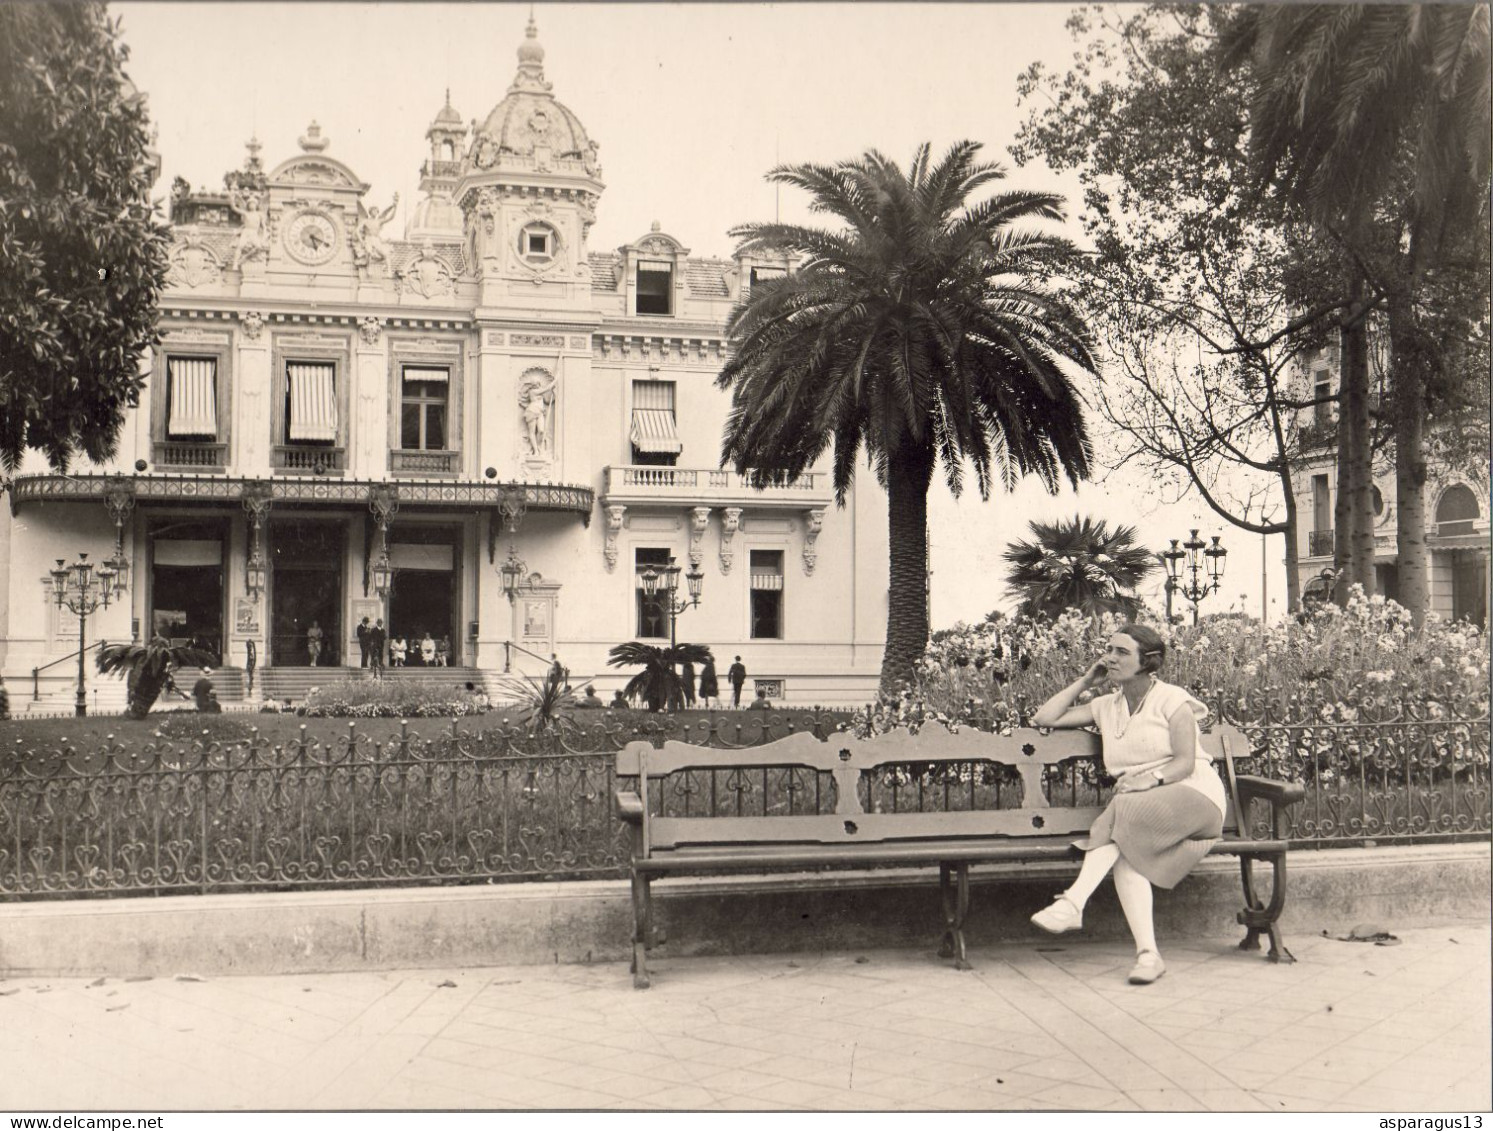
(306, 593)
(186, 584)
(1470, 588)
(423, 600)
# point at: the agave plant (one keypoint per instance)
(148, 666)
(658, 684)
(540, 704)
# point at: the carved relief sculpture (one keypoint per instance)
(252, 324)
(193, 264)
(253, 239)
(428, 276)
(813, 524)
(369, 328)
(536, 398)
(699, 520)
(615, 514)
(730, 524)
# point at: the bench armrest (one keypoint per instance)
(1275, 792)
(629, 807)
(1280, 794)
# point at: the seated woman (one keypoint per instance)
(427, 650)
(397, 648)
(1168, 804)
(443, 652)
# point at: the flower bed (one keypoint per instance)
(392, 699)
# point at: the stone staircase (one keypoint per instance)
(109, 695)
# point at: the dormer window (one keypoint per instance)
(537, 244)
(655, 287)
(762, 274)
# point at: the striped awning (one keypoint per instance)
(313, 402)
(194, 396)
(411, 373)
(653, 431)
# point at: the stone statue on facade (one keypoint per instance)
(253, 239)
(368, 244)
(535, 397)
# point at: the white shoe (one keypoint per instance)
(1064, 915)
(1148, 967)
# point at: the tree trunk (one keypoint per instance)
(1293, 550)
(908, 477)
(1407, 365)
(1353, 511)
(147, 689)
(1361, 478)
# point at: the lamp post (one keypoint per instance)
(664, 583)
(77, 588)
(1193, 569)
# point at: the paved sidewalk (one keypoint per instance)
(1352, 1027)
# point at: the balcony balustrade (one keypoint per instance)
(1319, 544)
(197, 455)
(308, 460)
(642, 484)
(409, 462)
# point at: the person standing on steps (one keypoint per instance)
(363, 640)
(376, 638)
(1168, 805)
(737, 674)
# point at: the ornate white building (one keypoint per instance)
(1457, 530)
(487, 392)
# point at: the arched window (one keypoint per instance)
(1456, 510)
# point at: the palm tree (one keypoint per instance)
(540, 705)
(658, 684)
(148, 666)
(1078, 564)
(1346, 98)
(920, 329)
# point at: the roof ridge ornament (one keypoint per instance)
(530, 76)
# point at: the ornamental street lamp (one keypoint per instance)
(78, 589)
(662, 585)
(1195, 569)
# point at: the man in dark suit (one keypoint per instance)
(374, 645)
(737, 675)
(363, 631)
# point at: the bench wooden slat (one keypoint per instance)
(866, 828)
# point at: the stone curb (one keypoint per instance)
(591, 921)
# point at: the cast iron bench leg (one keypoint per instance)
(1259, 917)
(955, 909)
(642, 930)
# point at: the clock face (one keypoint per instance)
(311, 237)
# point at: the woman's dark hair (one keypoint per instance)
(1152, 647)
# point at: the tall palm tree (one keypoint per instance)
(1346, 98)
(1078, 564)
(922, 329)
(658, 684)
(147, 667)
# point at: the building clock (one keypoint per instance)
(311, 238)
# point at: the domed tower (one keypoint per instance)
(436, 216)
(527, 189)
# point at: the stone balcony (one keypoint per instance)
(634, 484)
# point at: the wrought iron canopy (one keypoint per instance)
(295, 490)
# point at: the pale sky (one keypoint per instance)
(691, 104)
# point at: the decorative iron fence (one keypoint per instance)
(497, 805)
(491, 805)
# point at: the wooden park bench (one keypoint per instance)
(951, 799)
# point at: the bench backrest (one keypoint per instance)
(934, 785)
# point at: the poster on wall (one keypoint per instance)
(536, 620)
(246, 616)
